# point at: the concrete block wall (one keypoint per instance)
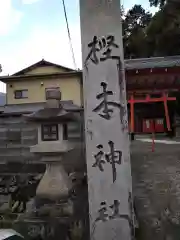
(17, 135)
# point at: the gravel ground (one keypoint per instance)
(156, 189)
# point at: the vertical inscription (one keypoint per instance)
(112, 157)
(100, 49)
(106, 109)
(105, 104)
(114, 212)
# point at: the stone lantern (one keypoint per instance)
(52, 146)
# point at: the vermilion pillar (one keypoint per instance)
(166, 112)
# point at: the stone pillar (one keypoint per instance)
(106, 126)
(55, 183)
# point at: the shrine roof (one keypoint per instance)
(153, 62)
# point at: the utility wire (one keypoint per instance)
(69, 36)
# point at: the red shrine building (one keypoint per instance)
(152, 84)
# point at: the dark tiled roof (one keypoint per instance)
(18, 108)
(51, 113)
(154, 62)
(33, 107)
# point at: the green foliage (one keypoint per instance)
(134, 32)
(157, 3)
(147, 36)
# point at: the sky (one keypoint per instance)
(31, 30)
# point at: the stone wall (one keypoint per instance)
(16, 138)
(17, 135)
(18, 166)
(156, 188)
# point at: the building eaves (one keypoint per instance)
(40, 64)
(155, 62)
(6, 79)
(19, 109)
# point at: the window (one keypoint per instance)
(48, 92)
(18, 94)
(49, 132)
